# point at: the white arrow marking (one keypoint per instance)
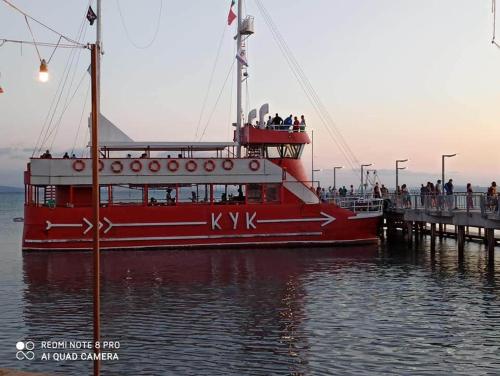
(150, 224)
(52, 225)
(326, 218)
(90, 225)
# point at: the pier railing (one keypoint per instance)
(475, 202)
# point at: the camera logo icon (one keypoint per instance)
(24, 350)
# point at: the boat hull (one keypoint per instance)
(196, 226)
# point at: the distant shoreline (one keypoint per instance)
(5, 189)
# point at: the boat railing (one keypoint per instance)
(359, 203)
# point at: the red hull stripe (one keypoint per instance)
(155, 238)
(214, 245)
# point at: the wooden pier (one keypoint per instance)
(433, 215)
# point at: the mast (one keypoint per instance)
(99, 43)
(96, 112)
(239, 76)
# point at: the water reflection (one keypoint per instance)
(368, 310)
(195, 311)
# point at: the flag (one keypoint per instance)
(91, 16)
(242, 57)
(231, 16)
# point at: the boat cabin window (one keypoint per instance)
(229, 194)
(293, 151)
(198, 193)
(273, 192)
(254, 192)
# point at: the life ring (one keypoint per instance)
(191, 165)
(117, 167)
(136, 165)
(228, 164)
(101, 165)
(209, 165)
(173, 165)
(79, 165)
(254, 165)
(154, 166)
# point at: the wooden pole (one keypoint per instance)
(95, 57)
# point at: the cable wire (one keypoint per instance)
(40, 23)
(127, 33)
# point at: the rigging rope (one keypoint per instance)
(308, 89)
(218, 99)
(46, 130)
(127, 33)
(494, 11)
(210, 81)
(81, 118)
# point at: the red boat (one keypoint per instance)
(250, 192)
(190, 201)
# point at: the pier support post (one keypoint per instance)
(461, 241)
(490, 242)
(433, 237)
(409, 229)
(440, 231)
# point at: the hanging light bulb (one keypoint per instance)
(43, 75)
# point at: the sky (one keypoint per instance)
(401, 79)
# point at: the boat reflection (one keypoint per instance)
(240, 303)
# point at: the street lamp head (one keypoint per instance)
(43, 74)
(366, 165)
(449, 155)
(402, 160)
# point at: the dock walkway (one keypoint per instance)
(415, 212)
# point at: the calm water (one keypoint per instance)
(345, 311)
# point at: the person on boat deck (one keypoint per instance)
(170, 200)
(46, 155)
(193, 196)
(269, 124)
(73, 156)
(277, 120)
(66, 155)
(351, 191)
(144, 155)
(152, 201)
(223, 198)
(129, 155)
(302, 123)
(296, 124)
(240, 194)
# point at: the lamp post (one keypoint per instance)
(398, 161)
(313, 171)
(335, 175)
(362, 185)
(442, 165)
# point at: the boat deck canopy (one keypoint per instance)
(166, 146)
